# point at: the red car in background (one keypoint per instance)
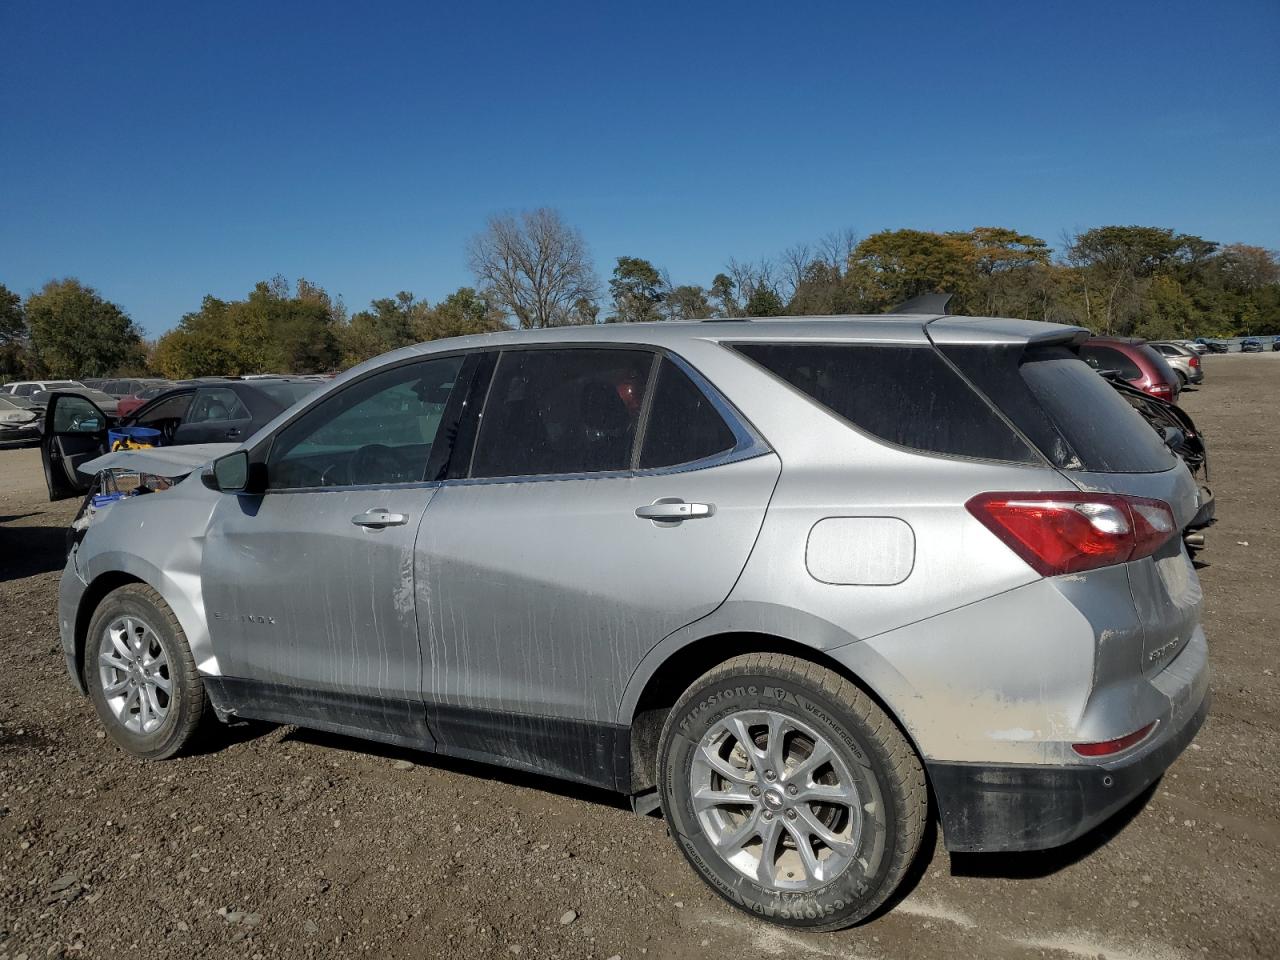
(131, 403)
(1135, 362)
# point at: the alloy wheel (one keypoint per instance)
(134, 670)
(776, 800)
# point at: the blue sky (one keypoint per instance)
(164, 151)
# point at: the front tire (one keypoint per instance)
(140, 673)
(791, 792)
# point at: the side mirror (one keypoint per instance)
(230, 474)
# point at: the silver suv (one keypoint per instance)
(784, 579)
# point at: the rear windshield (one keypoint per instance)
(907, 395)
(1072, 415)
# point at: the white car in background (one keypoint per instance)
(26, 388)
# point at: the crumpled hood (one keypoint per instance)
(159, 461)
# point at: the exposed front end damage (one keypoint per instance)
(143, 520)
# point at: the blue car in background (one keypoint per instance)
(1250, 345)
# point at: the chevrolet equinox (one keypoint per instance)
(802, 583)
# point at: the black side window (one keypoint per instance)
(683, 425)
(561, 411)
(171, 408)
(1107, 359)
(907, 395)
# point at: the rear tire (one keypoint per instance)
(140, 673)
(1182, 379)
(769, 824)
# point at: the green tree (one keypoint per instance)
(77, 333)
(462, 313)
(724, 293)
(1112, 261)
(270, 331)
(13, 322)
(895, 265)
(765, 302)
(688, 302)
(637, 291)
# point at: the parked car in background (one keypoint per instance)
(107, 403)
(1135, 362)
(1199, 348)
(18, 420)
(1184, 361)
(130, 386)
(25, 388)
(1213, 346)
(132, 402)
(75, 426)
(1275, 344)
(799, 583)
(1250, 345)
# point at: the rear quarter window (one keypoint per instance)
(906, 395)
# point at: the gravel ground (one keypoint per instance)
(279, 842)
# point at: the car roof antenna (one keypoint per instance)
(933, 303)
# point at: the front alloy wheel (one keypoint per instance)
(141, 675)
(133, 670)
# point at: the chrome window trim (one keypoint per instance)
(358, 487)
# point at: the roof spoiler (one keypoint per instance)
(934, 304)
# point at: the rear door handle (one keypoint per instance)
(379, 517)
(674, 511)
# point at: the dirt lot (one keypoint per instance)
(277, 842)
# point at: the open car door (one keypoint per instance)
(75, 431)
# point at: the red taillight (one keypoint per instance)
(1060, 533)
(1108, 747)
(1193, 361)
(1160, 390)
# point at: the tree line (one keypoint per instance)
(535, 270)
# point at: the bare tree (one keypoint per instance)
(836, 247)
(536, 267)
(795, 265)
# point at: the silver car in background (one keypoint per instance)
(784, 579)
(1183, 359)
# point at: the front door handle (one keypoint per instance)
(379, 517)
(674, 511)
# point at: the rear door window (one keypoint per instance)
(684, 425)
(170, 408)
(217, 404)
(561, 411)
(906, 395)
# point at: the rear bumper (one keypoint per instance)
(992, 808)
